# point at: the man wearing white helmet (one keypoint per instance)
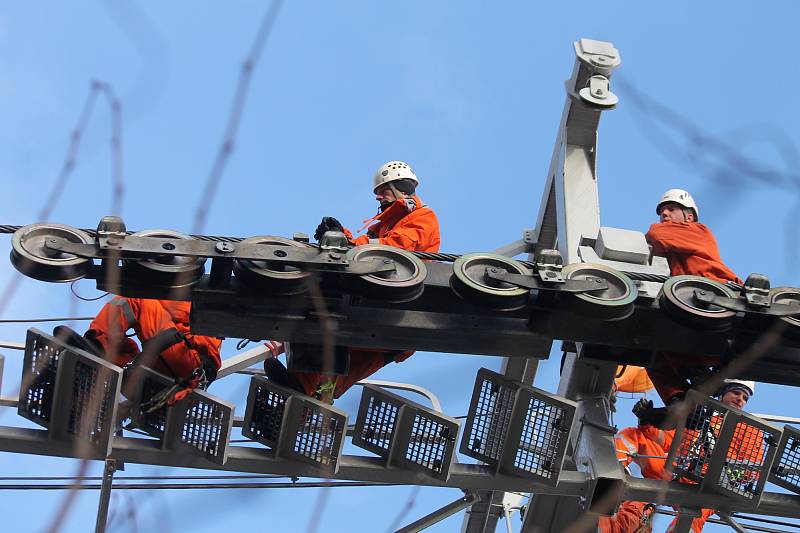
(403, 221)
(690, 248)
(688, 245)
(648, 446)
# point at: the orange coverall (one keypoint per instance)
(148, 318)
(650, 441)
(690, 248)
(414, 228)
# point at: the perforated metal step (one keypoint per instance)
(517, 429)
(404, 433)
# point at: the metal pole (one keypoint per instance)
(731, 522)
(440, 514)
(508, 519)
(105, 496)
(685, 518)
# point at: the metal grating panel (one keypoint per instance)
(543, 439)
(38, 378)
(312, 432)
(266, 403)
(204, 426)
(316, 436)
(745, 457)
(489, 417)
(786, 470)
(377, 419)
(431, 443)
(148, 384)
(379, 423)
(94, 398)
(693, 449)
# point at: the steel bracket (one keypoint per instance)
(589, 284)
(133, 247)
(744, 306)
(756, 290)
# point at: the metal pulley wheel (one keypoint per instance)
(172, 271)
(469, 280)
(787, 295)
(677, 299)
(613, 303)
(402, 284)
(31, 257)
(274, 277)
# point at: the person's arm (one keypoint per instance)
(688, 238)
(410, 233)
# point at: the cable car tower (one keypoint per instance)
(598, 290)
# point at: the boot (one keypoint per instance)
(276, 372)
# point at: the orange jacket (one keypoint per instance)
(650, 441)
(632, 379)
(149, 318)
(690, 248)
(408, 225)
(627, 519)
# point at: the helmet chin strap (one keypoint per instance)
(397, 195)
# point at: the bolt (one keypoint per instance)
(335, 255)
(550, 274)
(168, 246)
(598, 280)
(112, 241)
(224, 247)
(387, 261)
(702, 293)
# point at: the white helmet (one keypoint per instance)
(680, 197)
(728, 384)
(393, 171)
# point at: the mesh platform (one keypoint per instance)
(312, 432)
(726, 450)
(42, 353)
(405, 433)
(266, 402)
(694, 445)
(377, 420)
(517, 429)
(786, 469)
(72, 393)
(148, 384)
(206, 425)
(489, 417)
(543, 439)
(200, 423)
(295, 426)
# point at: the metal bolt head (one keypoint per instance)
(335, 255)
(224, 247)
(550, 274)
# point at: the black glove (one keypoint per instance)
(327, 224)
(653, 416)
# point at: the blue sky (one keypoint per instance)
(469, 94)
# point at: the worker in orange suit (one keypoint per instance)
(403, 221)
(690, 248)
(648, 446)
(167, 345)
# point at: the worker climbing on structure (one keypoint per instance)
(403, 221)
(690, 249)
(168, 347)
(648, 446)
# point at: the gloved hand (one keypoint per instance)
(327, 224)
(653, 416)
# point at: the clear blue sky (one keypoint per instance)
(469, 94)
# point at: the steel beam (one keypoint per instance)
(440, 514)
(260, 461)
(105, 496)
(243, 360)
